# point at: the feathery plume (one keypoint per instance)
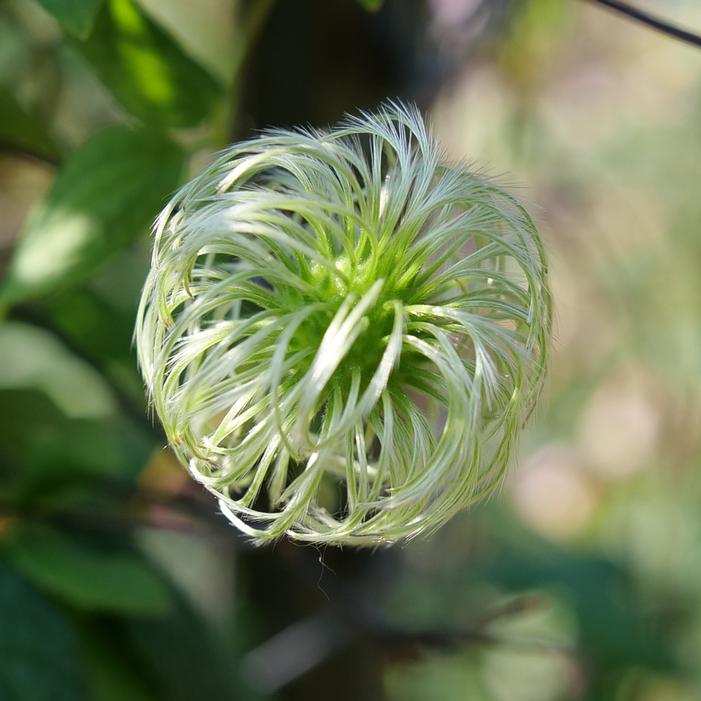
(343, 335)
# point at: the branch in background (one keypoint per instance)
(309, 642)
(651, 21)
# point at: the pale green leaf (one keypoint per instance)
(106, 195)
(39, 655)
(75, 16)
(145, 68)
(86, 577)
(24, 131)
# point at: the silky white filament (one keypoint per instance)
(341, 334)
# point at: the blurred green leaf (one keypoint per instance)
(33, 357)
(438, 677)
(99, 328)
(86, 577)
(371, 5)
(613, 627)
(112, 675)
(146, 70)
(25, 415)
(103, 329)
(179, 648)
(75, 16)
(24, 131)
(610, 622)
(44, 453)
(39, 656)
(105, 195)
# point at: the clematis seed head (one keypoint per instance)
(341, 333)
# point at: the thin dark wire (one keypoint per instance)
(651, 21)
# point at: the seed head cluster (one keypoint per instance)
(342, 334)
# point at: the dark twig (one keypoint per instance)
(310, 641)
(651, 21)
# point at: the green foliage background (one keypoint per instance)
(118, 579)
